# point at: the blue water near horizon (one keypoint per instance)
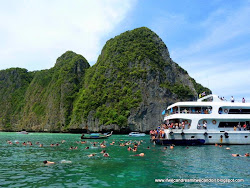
(21, 166)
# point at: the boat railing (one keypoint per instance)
(190, 112)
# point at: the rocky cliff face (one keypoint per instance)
(132, 82)
(46, 97)
(13, 85)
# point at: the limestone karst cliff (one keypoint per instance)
(131, 83)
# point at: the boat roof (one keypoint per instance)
(216, 101)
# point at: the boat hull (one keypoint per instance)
(22, 132)
(212, 137)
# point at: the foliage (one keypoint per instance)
(111, 86)
(199, 88)
(13, 85)
(72, 92)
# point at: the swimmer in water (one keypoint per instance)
(236, 155)
(103, 146)
(105, 155)
(141, 155)
(246, 155)
(48, 162)
(92, 155)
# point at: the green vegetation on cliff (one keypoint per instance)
(112, 88)
(13, 85)
(133, 79)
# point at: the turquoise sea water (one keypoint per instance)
(21, 166)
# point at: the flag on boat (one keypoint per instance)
(163, 112)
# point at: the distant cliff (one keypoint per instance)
(133, 80)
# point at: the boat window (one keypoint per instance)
(220, 111)
(239, 111)
(173, 110)
(246, 136)
(210, 137)
(177, 124)
(192, 136)
(230, 124)
(196, 110)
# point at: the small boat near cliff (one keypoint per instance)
(137, 134)
(22, 132)
(96, 135)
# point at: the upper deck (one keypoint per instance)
(210, 104)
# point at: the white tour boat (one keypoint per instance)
(208, 120)
(23, 132)
(136, 134)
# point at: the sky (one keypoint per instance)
(209, 39)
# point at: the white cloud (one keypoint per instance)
(219, 29)
(34, 33)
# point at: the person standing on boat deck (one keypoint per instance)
(205, 125)
(245, 127)
(232, 99)
(243, 100)
(162, 133)
(239, 126)
(183, 125)
(198, 126)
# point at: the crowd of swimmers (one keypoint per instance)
(234, 155)
(131, 146)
